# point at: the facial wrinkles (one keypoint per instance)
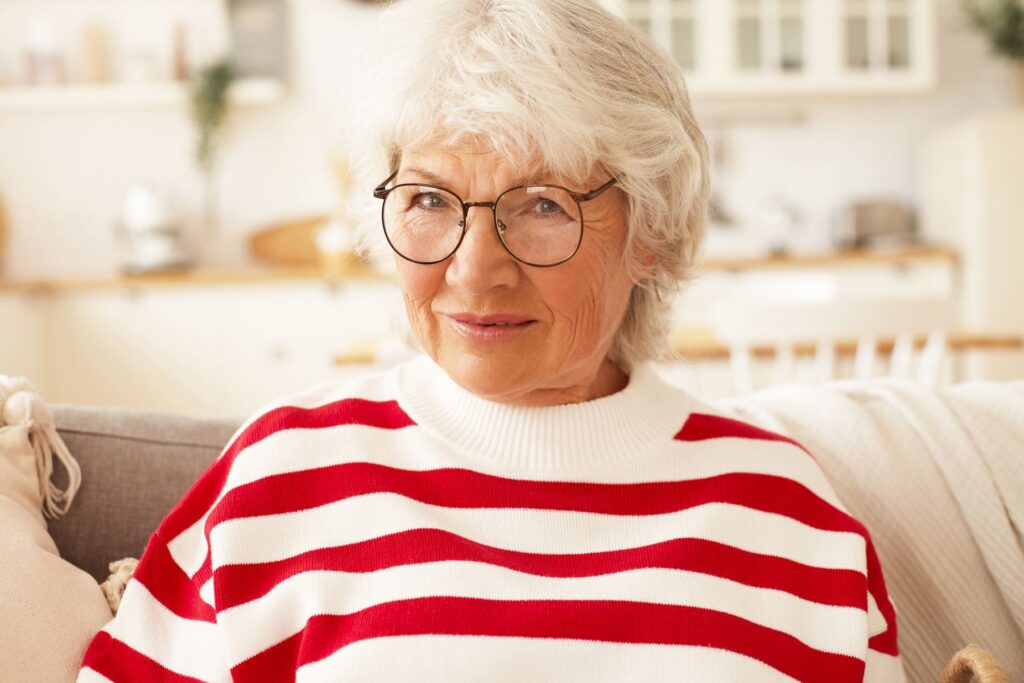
(588, 318)
(575, 303)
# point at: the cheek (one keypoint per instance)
(585, 299)
(419, 285)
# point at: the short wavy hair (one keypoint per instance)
(570, 82)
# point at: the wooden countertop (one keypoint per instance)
(903, 256)
(900, 256)
(700, 344)
(199, 277)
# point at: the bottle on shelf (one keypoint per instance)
(95, 54)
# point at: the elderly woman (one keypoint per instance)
(527, 500)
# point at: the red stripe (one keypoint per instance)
(169, 584)
(237, 584)
(456, 488)
(886, 641)
(204, 572)
(459, 488)
(701, 427)
(120, 663)
(594, 620)
(198, 499)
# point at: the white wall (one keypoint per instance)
(62, 173)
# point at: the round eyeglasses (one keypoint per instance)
(539, 225)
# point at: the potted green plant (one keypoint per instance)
(209, 106)
(1002, 22)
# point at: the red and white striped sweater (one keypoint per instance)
(399, 528)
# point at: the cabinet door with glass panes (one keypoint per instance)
(750, 47)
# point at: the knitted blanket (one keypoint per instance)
(938, 479)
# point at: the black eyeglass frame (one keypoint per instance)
(382, 192)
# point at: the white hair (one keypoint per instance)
(564, 80)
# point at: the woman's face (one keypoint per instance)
(562, 318)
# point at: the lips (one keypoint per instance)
(490, 320)
(488, 329)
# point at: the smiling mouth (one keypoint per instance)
(480, 330)
(491, 320)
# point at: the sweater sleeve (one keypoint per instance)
(164, 629)
(166, 626)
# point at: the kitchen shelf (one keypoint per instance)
(901, 256)
(904, 256)
(246, 91)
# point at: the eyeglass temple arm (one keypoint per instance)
(593, 193)
(379, 191)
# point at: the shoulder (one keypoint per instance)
(277, 432)
(786, 466)
(708, 422)
(367, 398)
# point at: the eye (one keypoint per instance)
(547, 206)
(429, 201)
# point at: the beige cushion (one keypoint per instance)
(49, 608)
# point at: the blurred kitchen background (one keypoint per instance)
(176, 185)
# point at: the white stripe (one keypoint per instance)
(206, 592)
(876, 620)
(189, 547)
(285, 610)
(410, 448)
(882, 668)
(443, 659)
(87, 675)
(274, 537)
(186, 646)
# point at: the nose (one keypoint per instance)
(481, 262)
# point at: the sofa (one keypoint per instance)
(937, 476)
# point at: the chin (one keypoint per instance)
(490, 378)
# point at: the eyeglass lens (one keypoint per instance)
(540, 225)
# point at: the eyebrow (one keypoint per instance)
(435, 179)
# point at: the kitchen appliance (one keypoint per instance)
(148, 233)
(874, 222)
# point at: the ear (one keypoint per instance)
(647, 259)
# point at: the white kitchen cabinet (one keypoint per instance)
(809, 304)
(736, 48)
(210, 351)
(24, 338)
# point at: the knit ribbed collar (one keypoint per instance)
(612, 430)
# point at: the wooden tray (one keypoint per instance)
(290, 243)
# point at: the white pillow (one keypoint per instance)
(49, 608)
